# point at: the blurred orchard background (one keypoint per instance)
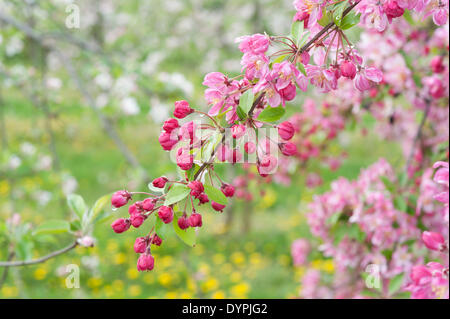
(81, 111)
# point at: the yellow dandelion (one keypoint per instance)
(238, 258)
(132, 273)
(210, 284)
(118, 285)
(165, 279)
(328, 266)
(171, 295)
(134, 290)
(240, 290)
(186, 295)
(218, 295)
(10, 292)
(235, 277)
(94, 282)
(120, 258)
(40, 274)
(112, 246)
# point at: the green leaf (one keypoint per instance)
(176, 193)
(77, 205)
(301, 67)
(215, 195)
(395, 284)
(297, 30)
(246, 101)
(390, 186)
(271, 114)
(350, 20)
(24, 249)
(99, 206)
(281, 58)
(326, 19)
(162, 229)
(400, 204)
(338, 10)
(187, 236)
(240, 113)
(52, 227)
(333, 219)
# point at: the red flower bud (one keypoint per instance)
(288, 149)
(160, 182)
(170, 125)
(203, 198)
(217, 207)
(227, 190)
(145, 262)
(120, 198)
(433, 241)
(237, 131)
(182, 109)
(348, 69)
(183, 222)
(148, 204)
(195, 220)
(437, 64)
(393, 10)
(196, 188)
(167, 141)
(156, 240)
(121, 225)
(249, 147)
(140, 245)
(137, 220)
(286, 130)
(185, 161)
(166, 214)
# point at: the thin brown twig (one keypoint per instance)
(20, 263)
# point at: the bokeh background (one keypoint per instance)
(80, 112)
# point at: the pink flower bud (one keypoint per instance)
(140, 245)
(183, 222)
(433, 241)
(182, 109)
(304, 58)
(145, 262)
(196, 188)
(286, 130)
(437, 64)
(348, 69)
(249, 147)
(420, 274)
(392, 9)
(185, 161)
(195, 220)
(288, 149)
(86, 241)
(237, 131)
(121, 225)
(170, 125)
(167, 141)
(217, 207)
(166, 214)
(203, 198)
(120, 198)
(137, 220)
(289, 92)
(156, 240)
(227, 190)
(148, 204)
(160, 182)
